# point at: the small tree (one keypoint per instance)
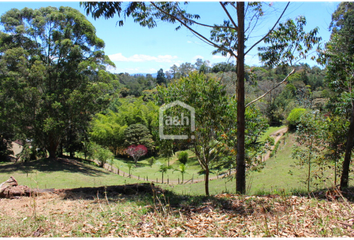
(138, 134)
(183, 157)
(130, 166)
(102, 154)
(182, 169)
(136, 152)
(294, 117)
(163, 169)
(151, 161)
(310, 135)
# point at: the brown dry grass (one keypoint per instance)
(223, 215)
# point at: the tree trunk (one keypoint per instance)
(52, 149)
(348, 153)
(207, 181)
(240, 91)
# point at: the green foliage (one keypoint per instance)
(183, 157)
(151, 161)
(160, 78)
(208, 97)
(99, 153)
(289, 42)
(338, 57)
(138, 134)
(274, 151)
(311, 138)
(163, 169)
(52, 74)
(5, 147)
(295, 117)
(223, 67)
(256, 125)
(335, 137)
(109, 128)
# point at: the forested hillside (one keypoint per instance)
(59, 99)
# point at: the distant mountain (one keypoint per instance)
(144, 74)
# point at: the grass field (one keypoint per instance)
(181, 212)
(144, 171)
(274, 177)
(60, 174)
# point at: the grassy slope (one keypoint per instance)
(144, 170)
(60, 174)
(274, 177)
(270, 131)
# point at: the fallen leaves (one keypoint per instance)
(226, 216)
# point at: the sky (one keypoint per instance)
(135, 49)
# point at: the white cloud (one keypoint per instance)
(118, 57)
(125, 70)
(111, 69)
(223, 58)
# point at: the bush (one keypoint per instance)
(294, 118)
(103, 155)
(151, 161)
(97, 152)
(183, 157)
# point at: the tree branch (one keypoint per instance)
(262, 96)
(193, 31)
(271, 30)
(228, 14)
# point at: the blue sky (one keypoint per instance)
(135, 49)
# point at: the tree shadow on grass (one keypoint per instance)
(156, 199)
(51, 165)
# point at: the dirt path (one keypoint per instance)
(276, 135)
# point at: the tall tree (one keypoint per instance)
(160, 78)
(228, 38)
(339, 57)
(208, 97)
(52, 72)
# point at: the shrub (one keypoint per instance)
(151, 161)
(294, 118)
(183, 157)
(101, 154)
(136, 152)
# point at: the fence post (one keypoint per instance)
(156, 180)
(147, 178)
(178, 180)
(193, 178)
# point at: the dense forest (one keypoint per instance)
(57, 97)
